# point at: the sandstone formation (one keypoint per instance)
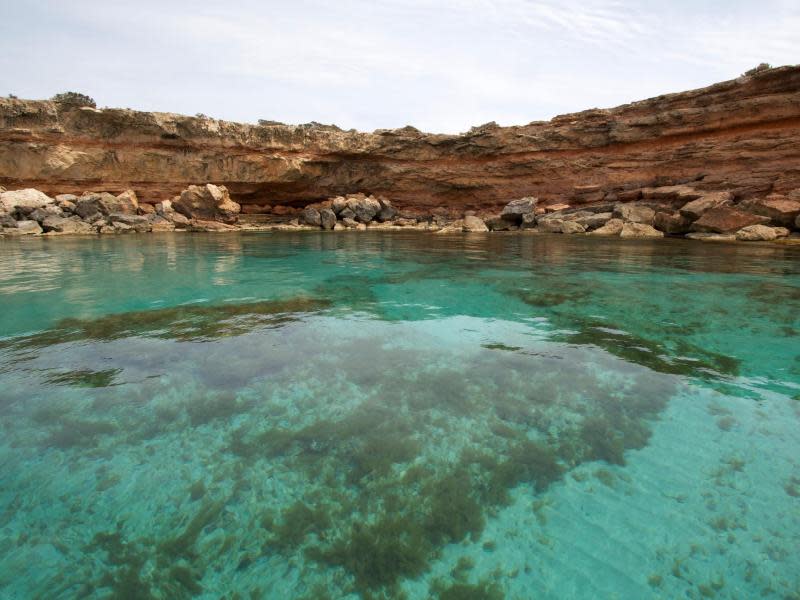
(741, 136)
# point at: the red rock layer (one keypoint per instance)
(741, 135)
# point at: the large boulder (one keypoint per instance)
(127, 203)
(138, 223)
(207, 203)
(726, 220)
(26, 228)
(387, 212)
(760, 233)
(514, 210)
(780, 209)
(160, 224)
(560, 226)
(634, 213)
(365, 209)
(672, 223)
(24, 201)
(639, 230)
(311, 216)
(40, 214)
(338, 204)
(612, 227)
(93, 203)
(67, 225)
(327, 218)
(474, 224)
(697, 208)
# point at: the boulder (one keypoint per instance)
(338, 204)
(760, 233)
(24, 201)
(387, 212)
(365, 209)
(528, 221)
(634, 212)
(160, 224)
(670, 193)
(27, 228)
(555, 208)
(179, 220)
(474, 224)
(103, 203)
(327, 218)
(514, 210)
(40, 214)
(697, 208)
(127, 203)
(207, 203)
(497, 223)
(346, 213)
(66, 201)
(311, 216)
(612, 227)
(593, 221)
(726, 220)
(140, 223)
(639, 230)
(672, 223)
(560, 226)
(67, 225)
(145, 208)
(780, 209)
(6, 220)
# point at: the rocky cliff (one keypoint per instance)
(741, 135)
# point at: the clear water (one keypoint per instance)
(398, 415)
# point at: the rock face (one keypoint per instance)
(207, 202)
(741, 136)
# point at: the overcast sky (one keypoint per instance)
(438, 65)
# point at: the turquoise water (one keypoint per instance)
(398, 415)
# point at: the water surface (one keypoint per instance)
(398, 415)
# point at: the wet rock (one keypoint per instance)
(672, 223)
(211, 226)
(67, 225)
(514, 210)
(639, 230)
(474, 224)
(781, 210)
(634, 212)
(327, 218)
(207, 203)
(612, 227)
(697, 208)
(24, 201)
(711, 237)
(726, 220)
(311, 216)
(760, 233)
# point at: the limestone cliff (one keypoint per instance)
(741, 135)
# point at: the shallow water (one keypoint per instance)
(393, 415)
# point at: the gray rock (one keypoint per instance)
(28, 228)
(528, 221)
(339, 204)
(23, 201)
(346, 213)
(639, 230)
(311, 216)
(71, 225)
(474, 224)
(634, 213)
(367, 209)
(327, 218)
(497, 223)
(91, 204)
(593, 221)
(514, 210)
(6, 220)
(40, 214)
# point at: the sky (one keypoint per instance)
(441, 66)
